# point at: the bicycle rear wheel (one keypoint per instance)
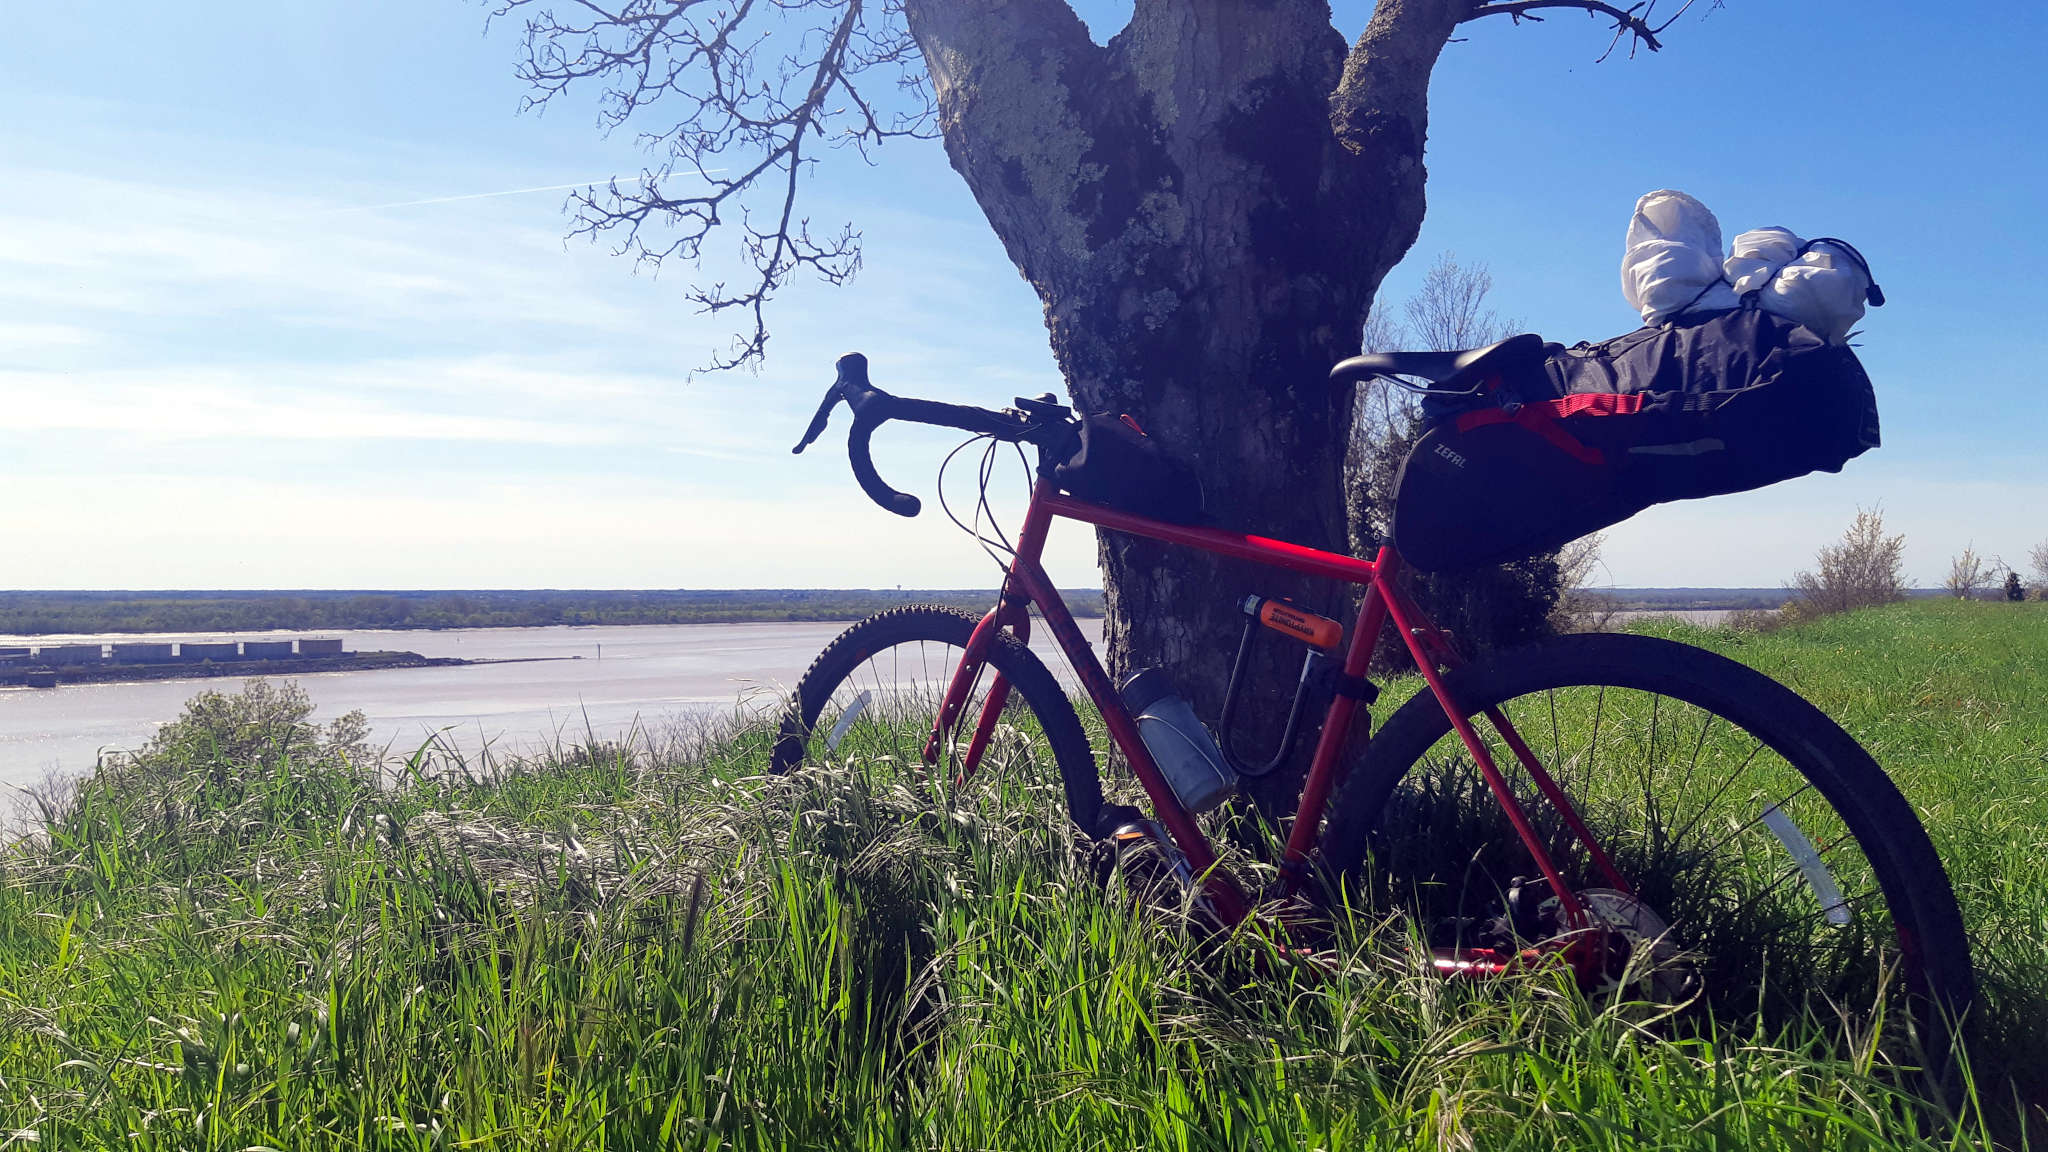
(877, 689)
(1790, 872)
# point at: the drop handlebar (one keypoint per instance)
(873, 407)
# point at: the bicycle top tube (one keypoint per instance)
(1044, 423)
(1237, 545)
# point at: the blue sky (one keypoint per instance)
(236, 352)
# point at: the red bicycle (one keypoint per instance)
(1646, 812)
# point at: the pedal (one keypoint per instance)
(1532, 915)
(1491, 934)
(1114, 818)
(1146, 835)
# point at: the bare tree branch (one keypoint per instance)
(1864, 568)
(765, 82)
(1970, 572)
(1633, 21)
(1448, 312)
(1380, 109)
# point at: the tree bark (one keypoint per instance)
(1205, 207)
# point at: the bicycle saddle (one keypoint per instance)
(1506, 356)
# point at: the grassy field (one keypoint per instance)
(247, 940)
(1952, 699)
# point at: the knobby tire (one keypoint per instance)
(903, 660)
(1686, 814)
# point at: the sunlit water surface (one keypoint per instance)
(608, 682)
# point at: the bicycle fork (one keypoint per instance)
(961, 688)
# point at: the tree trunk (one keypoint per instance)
(1206, 207)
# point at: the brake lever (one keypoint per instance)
(852, 375)
(832, 397)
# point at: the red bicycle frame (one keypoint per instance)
(1384, 605)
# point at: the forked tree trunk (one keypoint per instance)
(1206, 207)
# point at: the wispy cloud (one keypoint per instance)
(17, 338)
(372, 532)
(489, 195)
(486, 407)
(503, 400)
(186, 404)
(219, 385)
(601, 182)
(75, 248)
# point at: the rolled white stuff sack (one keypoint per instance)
(1823, 289)
(1757, 255)
(1672, 262)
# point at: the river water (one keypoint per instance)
(572, 683)
(1699, 617)
(609, 682)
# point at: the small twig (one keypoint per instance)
(744, 82)
(1633, 21)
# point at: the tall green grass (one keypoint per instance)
(250, 937)
(1951, 697)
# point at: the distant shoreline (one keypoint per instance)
(210, 669)
(128, 612)
(111, 613)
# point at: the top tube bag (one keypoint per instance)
(1111, 461)
(1699, 406)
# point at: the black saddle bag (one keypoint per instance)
(1701, 406)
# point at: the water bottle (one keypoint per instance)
(1186, 753)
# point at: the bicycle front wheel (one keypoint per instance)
(877, 689)
(1760, 840)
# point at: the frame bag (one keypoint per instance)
(1111, 461)
(1699, 406)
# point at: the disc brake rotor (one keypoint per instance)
(1643, 958)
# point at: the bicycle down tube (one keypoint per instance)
(1383, 605)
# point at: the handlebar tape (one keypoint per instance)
(901, 503)
(873, 407)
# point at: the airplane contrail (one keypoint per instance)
(506, 192)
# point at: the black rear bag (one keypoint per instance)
(1590, 435)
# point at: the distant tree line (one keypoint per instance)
(40, 613)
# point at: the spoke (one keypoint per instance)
(885, 725)
(1803, 789)
(1794, 931)
(1650, 759)
(885, 682)
(1593, 746)
(1698, 746)
(1756, 899)
(1794, 869)
(1679, 837)
(848, 691)
(1556, 739)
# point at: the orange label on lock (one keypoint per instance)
(1307, 627)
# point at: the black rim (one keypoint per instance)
(875, 690)
(1784, 862)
